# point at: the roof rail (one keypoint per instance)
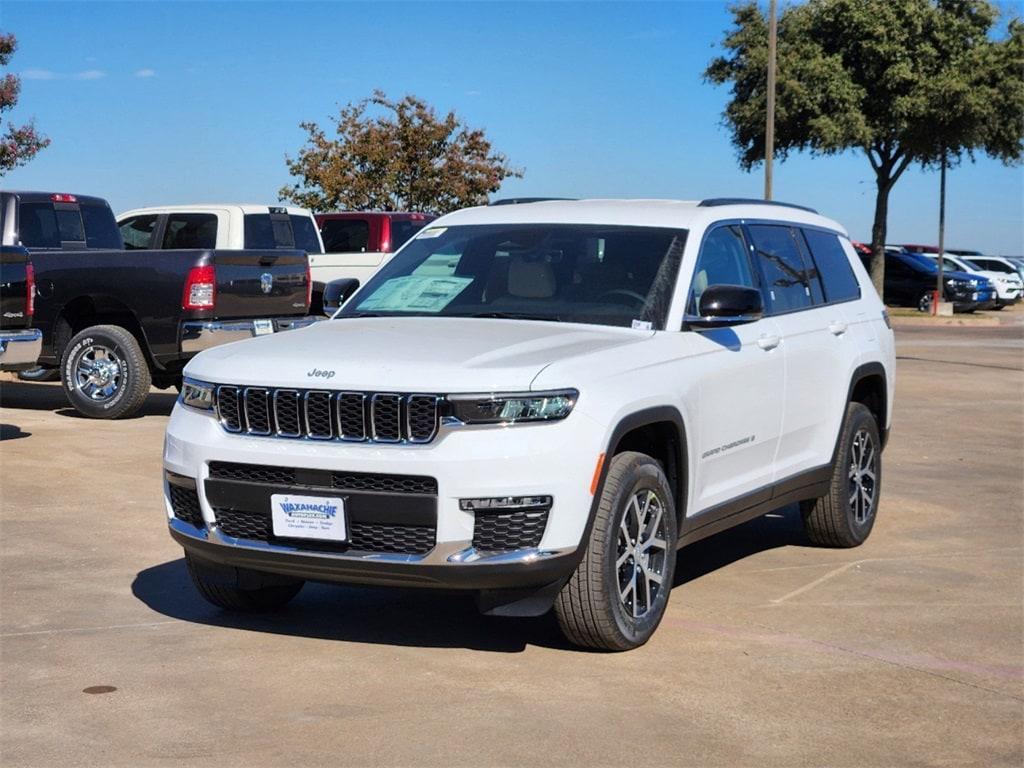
(520, 200)
(713, 202)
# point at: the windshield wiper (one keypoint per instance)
(511, 316)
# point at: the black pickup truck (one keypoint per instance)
(116, 321)
(19, 344)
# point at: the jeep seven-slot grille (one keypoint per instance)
(326, 415)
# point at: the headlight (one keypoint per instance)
(513, 408)
(196, 394)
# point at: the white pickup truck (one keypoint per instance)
(224, 226)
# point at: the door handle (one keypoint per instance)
(837, 327)
(767, 342)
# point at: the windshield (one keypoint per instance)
(603, 275)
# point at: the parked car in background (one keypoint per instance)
(1005, 264)
(20, 344)
(540, 404)
(116, 321)
(357, 243)
(224, 226)
(910, 281)
(1008, 285)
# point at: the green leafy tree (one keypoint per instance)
(18, 144)
(404, 157)
(903, 81)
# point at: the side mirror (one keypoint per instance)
(721, 306)
(337, 292)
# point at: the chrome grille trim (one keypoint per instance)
(325, 415)
(377, 416)
(248, 395)
(231, 393)
(278, 400)
(356, 436)
(313, 394)
(410, 402)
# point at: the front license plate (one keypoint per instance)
(308, 517)
(974, 297)
(263, 327)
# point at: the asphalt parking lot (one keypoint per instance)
(907, 651)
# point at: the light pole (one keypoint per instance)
(942, 233)
(769, 128)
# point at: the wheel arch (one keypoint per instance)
(86, 311)
(869, 386)
(660, 433)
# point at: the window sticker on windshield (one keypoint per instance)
(415, 293)
(642, 325)
(432, 232)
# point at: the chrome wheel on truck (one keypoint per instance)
(104, 372)
(98, 372)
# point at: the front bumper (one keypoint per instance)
(198, 335)
(466, 462)
(445, 567)
(19, 350)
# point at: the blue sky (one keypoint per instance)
(156, 103)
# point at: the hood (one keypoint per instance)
(982, 281)
(415, 354)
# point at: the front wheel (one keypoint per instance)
(924, 302)
(617, 596)
(104, 372)
(845, 516)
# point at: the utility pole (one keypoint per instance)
(942, 233)
(769, 128)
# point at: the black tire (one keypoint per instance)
(842, 518)
(999, 307)
(221, 586)
(924, 302)
(39, 373)
(128, 372)
(590, 608)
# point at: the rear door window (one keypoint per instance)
(787, 280)
(345, 235)
(264, 231)
(833, 265)
(305, 234)
(138, 231)
(37, 225)
(100, 227)
(190, 230)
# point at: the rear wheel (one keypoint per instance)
(845, 516)
(617, 596)
(104, 372)
(239, 589)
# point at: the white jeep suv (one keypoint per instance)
(541, 403)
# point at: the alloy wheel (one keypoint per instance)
(642, 553)
(98, 373)
(863, 476)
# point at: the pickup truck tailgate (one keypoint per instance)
(260, 283)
